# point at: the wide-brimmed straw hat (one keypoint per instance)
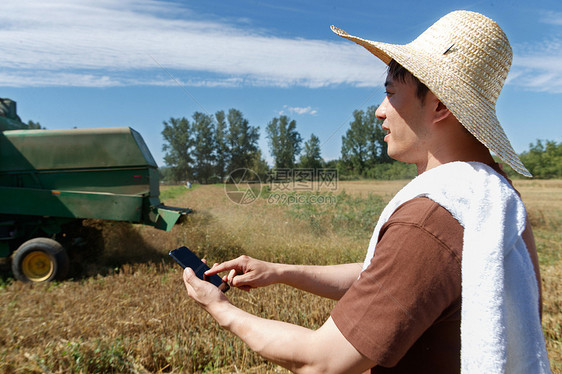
(463, 58)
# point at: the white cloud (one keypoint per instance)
(108, 43)
(538, 66)
(298, 110)
(538, 71)
(553, 18)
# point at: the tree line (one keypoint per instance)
(206, 148)
(543, 160)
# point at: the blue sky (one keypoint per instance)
(104, 63)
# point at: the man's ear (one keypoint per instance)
(441, 112)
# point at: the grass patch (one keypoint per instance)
(173, 192)
(342, 213)
(549, 247)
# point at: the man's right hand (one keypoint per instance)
(246, 272)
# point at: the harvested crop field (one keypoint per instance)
(126, 309)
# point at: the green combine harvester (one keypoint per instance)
(51, 180)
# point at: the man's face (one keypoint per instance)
(405, 119)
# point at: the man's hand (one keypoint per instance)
(205, 293)
(327, 281)
(246, 272)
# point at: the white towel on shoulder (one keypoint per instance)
(500, 324)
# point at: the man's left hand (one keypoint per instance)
(205, 293)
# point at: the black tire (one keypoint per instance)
(40, 260)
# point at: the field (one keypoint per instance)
(127, 309)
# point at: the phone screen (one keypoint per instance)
(186, 258)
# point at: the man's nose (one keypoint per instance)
(380, 113)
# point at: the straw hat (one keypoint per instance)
(463, 59)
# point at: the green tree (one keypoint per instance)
(177, 147)
(34, 125)
(165, 174)
(311, 157)
(259, 166)
(355, 143)
(242, 140)
(363, 145)
(284, 141)
(377, 147)
(221, 141)
(544, 160)
(204, 147)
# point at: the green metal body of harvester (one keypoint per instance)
(50, 179)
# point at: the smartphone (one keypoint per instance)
(186, 258)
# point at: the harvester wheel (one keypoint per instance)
(40, 260)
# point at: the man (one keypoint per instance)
(456, 235)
